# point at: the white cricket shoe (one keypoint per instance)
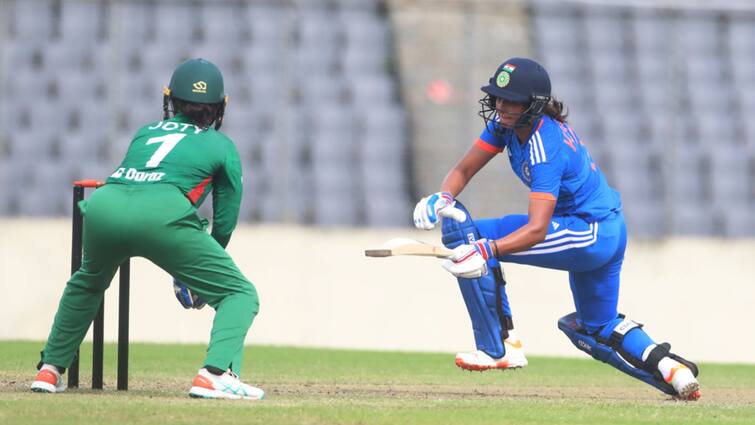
(227, 385)
(48, 380)
(686, 386)
(480, 361)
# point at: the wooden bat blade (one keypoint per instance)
(405, 246)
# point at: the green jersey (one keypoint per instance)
(193, 159)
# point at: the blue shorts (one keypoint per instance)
(592, 253)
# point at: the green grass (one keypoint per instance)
(311, 386)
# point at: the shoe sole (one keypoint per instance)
(201, 392)
(690, 392)
(44, 387)
(481, 368)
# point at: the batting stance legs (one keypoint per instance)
(593, 254)
(128, 221)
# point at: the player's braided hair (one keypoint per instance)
(202, 115)
(556, 110)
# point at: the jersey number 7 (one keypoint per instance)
(168, 142)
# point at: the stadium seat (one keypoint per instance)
(380, 209)
(604, 30)
(738, 223)
(335, 191)
(647, 27)
(363, 29)
(322, 90)
(699, 221)
(646, 219)
(730, 180)
(698, 33)
(232, 29)
(33, 20)
(81, 23)
(371, 89)
(48, 190)
(556, 28)
(178, 32)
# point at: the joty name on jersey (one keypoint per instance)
(173, 126)
(136, 175)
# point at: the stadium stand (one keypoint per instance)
(333, 131)
(80, 77)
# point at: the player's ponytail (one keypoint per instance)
(556, 110)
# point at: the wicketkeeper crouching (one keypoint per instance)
(148, 208)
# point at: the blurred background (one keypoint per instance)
(345, 112)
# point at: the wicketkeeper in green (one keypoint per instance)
(148, 208)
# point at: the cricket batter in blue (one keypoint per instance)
(574, 223)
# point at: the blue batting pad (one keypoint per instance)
(587, 343)
(479, 294)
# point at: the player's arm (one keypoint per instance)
(226, 198)
(428, 209)
(539, 212)
(472, 162)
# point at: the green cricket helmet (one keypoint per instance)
(196, 81)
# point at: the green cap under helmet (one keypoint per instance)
(198, 81)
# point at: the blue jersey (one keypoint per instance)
(555, 164)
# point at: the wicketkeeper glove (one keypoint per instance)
(470, 261)
(186, 297)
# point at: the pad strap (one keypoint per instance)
(616, 340)
(507, 322)
(621, 330)
(656, 354)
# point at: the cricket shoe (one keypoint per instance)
(683, 380)
(481, 361)
(227, 385)
(48, 380)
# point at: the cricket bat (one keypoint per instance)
(406, 246)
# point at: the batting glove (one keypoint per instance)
(186, 297)
(470, 261)
(427, 209)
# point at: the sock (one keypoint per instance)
(666, 365)
(50, 367)
(214, 370)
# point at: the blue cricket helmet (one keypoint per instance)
(520, 80)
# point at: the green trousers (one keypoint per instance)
(158, 223)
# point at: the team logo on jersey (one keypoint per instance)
(199, 87)
(526, 172)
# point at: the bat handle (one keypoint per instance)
(453, 213)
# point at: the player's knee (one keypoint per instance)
(250, 293)
(85, 281)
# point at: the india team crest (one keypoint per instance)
(526, 172)
(503, 79)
